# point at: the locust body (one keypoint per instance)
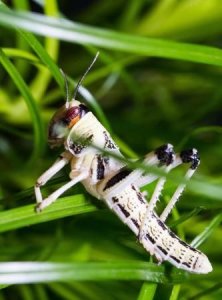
(109, 180)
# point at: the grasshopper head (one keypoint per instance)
(68, 115)
(63, 120)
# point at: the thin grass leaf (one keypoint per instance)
(175, 292)
(21, 66)
(18, 53)
(46, 59)
(207, 231)
(185, 217)
(26, 292)
(206, 292)
(26, 215)
(39, 136)
(77, 33)
(199, 131)
(63, 291)
(43, 77)
(147, 291)
(40, 292)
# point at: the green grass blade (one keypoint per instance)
(175, 292)
(26, 292)
(77, 33)
(63, 292)
(44, 56)
(47, 60)
(31, 272)
(207, 231)
(18, 53)
(43, 77)
(206, 292)
(39, 136)
(147, 291)
(21, 66)
(26, 215)
(38, 49)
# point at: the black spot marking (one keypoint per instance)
(140, 197)
(190, 156)
(106, 160)
(194, 265)
(150, 238)
(83, 110)
(187, 246)
(162, 250)
(117, 178)
(174, 258)
(161, 224)
(100, 167)
(183, 243)
(135, 223)
(173, 235)
(77, 148)
(165, 154)
(133, 187)
(124, 211)
(115, 199)
(108, 142)
(186, 264)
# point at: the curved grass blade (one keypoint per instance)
(18, 53)
(199, 131)
(207, 231)
(77, 33)
(47, 60)
(206, 292)
(21, 65)
(39, 136)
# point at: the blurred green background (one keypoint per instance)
(157, 80)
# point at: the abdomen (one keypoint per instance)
(130, 206)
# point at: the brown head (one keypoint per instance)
(63, 120)
(68, 115)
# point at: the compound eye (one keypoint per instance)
(72, 116)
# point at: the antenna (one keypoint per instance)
(81, 79)
(66, 87)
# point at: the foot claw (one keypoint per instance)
(38, 208)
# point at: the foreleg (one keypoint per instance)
(55, 195)
(55, 168)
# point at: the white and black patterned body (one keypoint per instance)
(109, 180)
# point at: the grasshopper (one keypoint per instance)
(108, 179)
